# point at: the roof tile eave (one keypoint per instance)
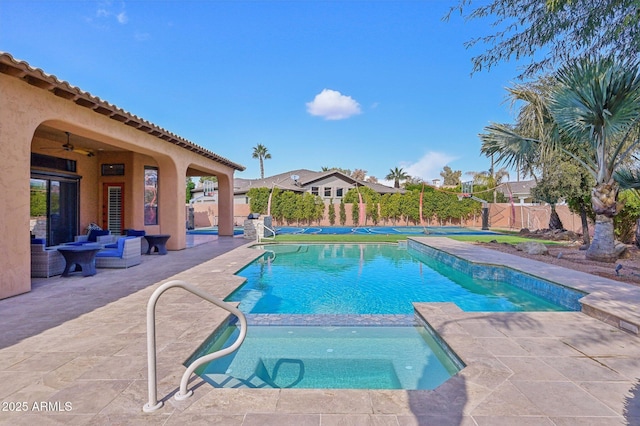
(25, 68)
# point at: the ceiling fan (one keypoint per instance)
(71, 148)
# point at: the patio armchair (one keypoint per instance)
(125, 252)
(45, 262)
(144, 244)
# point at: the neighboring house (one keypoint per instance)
(70, 159)
(328, 185)
(519, 192)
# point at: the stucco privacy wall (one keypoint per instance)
(25, 106)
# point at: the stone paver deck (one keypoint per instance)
(73, 351)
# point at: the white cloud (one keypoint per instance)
(429, 166)
(333, 105)
(122, 17)
(105, 13)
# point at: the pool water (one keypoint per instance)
(213, 230)
(385, 230)
(367, 279)
(330, 357)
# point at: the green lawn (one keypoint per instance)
(510, 239)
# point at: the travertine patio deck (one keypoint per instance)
(82, 341)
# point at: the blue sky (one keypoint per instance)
(352, 84)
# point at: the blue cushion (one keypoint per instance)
(109, 253)
(114, 250)
(37, 241)
(135, 233)
(95, 233)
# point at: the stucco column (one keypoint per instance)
(171, 202)
(225, 204)
(18, 121)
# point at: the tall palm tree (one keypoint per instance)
(598, 105)
(261, 153)
(396, 175)
(595, 107)
(526, 144)
(535, 121)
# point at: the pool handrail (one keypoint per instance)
(183, 393)
(258, 233)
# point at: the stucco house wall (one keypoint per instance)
(331, 184)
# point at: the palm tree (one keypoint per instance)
(490, 179)
(594, 104)
(260, 152)
(535, 121)
(396, 175)
(598, 105)
(479, 178)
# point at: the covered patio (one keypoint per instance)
(71, 159)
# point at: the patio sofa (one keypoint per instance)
(125, 252)
(94, 236)
(45, 262)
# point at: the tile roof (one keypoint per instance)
(305, 177)
(520, 187)
(38, 78)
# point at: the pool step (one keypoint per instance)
(331, 320)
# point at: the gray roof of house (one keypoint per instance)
(517, 188)
(305, 178)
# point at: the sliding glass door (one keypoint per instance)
(54, 208)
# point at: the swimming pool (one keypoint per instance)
(356, 285)
(381, 230)
(377, 279)
(329, 357)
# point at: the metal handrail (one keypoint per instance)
(153, 403)
(267, 228)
